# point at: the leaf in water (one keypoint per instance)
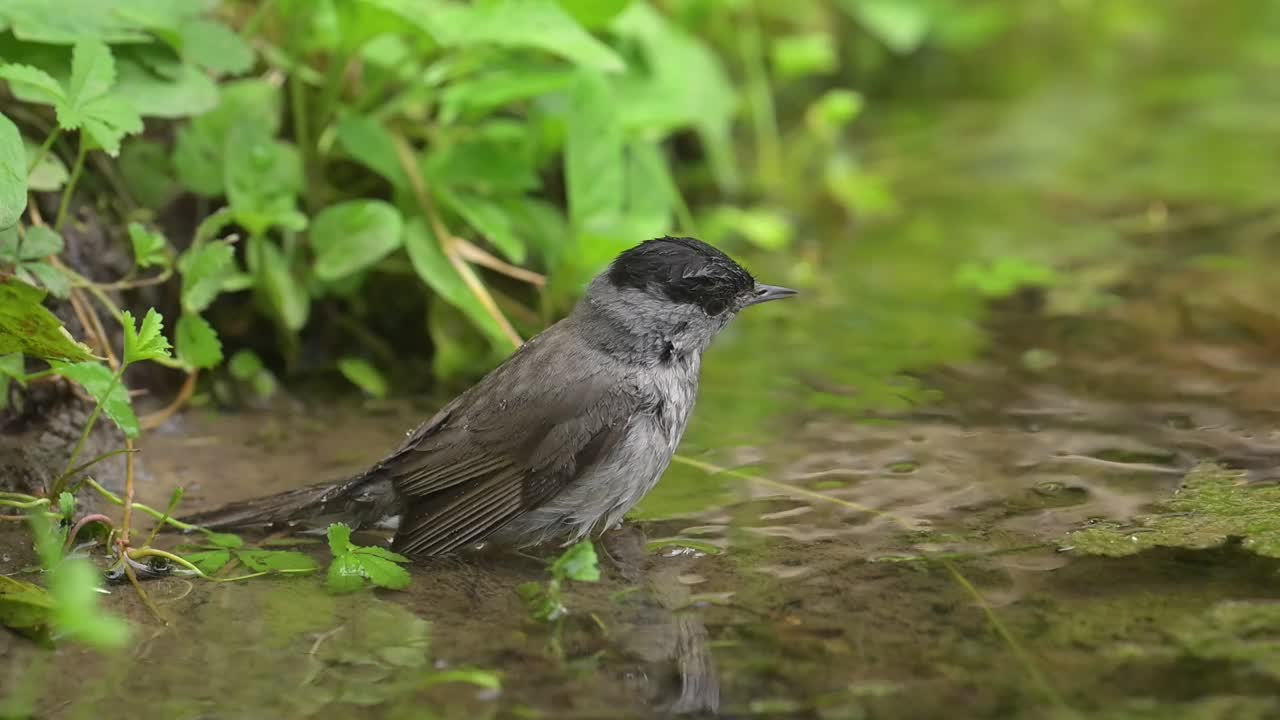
(276, 560)
(204, 268)
(198, 343)
(209, 561)
(345, 574)
(339, 539)
(542, 605)
(262, 177)
(27, 327)
(383, 553)
(578, 563)
(363, 375)
(74, 587)
(381, 572)
(486, 679)
(1212, 506)
(593, 155)
(372, 145)
(49, 175)
(99, 381)
(13, 174)
(351, 236)
(149, 247)
(352, 564)
(434, 268)
(146, 342)
(224, 540)
(489, 219)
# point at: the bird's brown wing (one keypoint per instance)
(508, 445)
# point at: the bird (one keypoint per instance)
(561, 440)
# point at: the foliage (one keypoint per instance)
(354, 564)
(1212, 507)
(223, 548)
(545, 602)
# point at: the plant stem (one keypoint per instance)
(61, 483)
(177, 559)
(44, 149)
(104, 456)
(764, 119)
(69, 190)
(126, 525)
(112, 497)
(38, 502)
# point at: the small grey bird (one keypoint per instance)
(562, 439)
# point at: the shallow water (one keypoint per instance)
(885, 468)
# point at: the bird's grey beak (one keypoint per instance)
(765, 293)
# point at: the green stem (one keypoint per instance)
(265, 573)
(104, 456)
(44, 149)
(153, 552)
(71, 185)
(38, 502)
(21, 497)
(156, 514)
(61, 483)
(764, 119)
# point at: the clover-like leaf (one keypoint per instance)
(145, 342)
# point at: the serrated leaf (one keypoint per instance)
(111, 119)
(383, 573)
(434, 268)
(578, 563)
(351, 236)
(209, 561)
(345, 574)
(93, 72)
(381, 552)
(27, 327)
(40, 242)
(32, 84)
(112, 395)
(371, 145)
(146, 342)
(364, 375)
(204, 268)
(13, 174)
(148, 246)
(339, 535)
(276, 560)
(198, 343)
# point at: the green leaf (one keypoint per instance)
(497, 156)
(40, 242)
(25, 607)
(829, 114)
(67, 21)
(245, 364)
(351, 236)
(49, 174)
(286, 296)
(146, 342)
(51, 278)
(339, 539)
(111, 394)
(578, 563)
(594, 13)
(149, 248)
(148, 172)
(346, 574)
(12, 367)
(363, 375)
(74, 587)
(371, 145)
(537, 24)
(489, 219)
(383, 573)
(32, 84)
(13, 174)
(27, 327)
(276, 560)
(593, 155)
(209, 561)
(434, 268)
(381, 552)
(224, 540)
(214, 46)
(804, 55)
(199, 151)
(204, 269)
(66, 505)
(188, 92)
(262, 178)
(87, 103)
(543, 604)
(902, 25)
(486, 679)
(198, 343)
(481, 94)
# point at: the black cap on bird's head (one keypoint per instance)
(689, 271)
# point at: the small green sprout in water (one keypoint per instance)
(223, 547)
(354, 564)
(1213, 506)
(546, 603)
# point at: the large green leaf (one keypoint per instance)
(593, 154)
(27, 327)
(89, 103)
(214, 46)
(112, 395)
(537, 24)
(351, 236)
(199, 151)
(198, 343)
(490, 219)
(594, 13)
(481, 94)
(372, 145)
(188, 92)
(67, 21)
(262, 177)
(13, 174)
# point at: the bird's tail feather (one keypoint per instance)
(313, 506)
